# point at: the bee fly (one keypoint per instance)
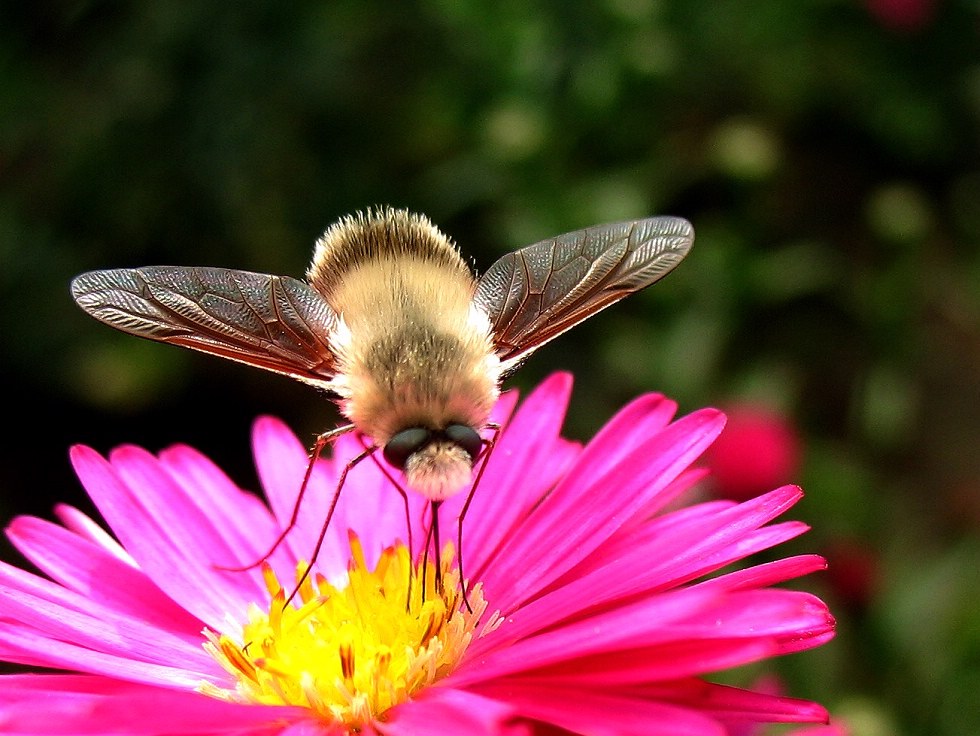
(394, 325)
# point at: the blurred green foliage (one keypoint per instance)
(825, 150)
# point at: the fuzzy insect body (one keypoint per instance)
(393, 324)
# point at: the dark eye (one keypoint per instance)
(406, 443)
(465, 437)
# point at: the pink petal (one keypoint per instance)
(768, 573)
(368, 503)
(584, 510)
(637, 666)
(310, 727)
(691, 542)
(21, 645)
(85, 527)
(75, 705)
(673, 493)
(281, 461)
(198, 518)
(442, 710)
(793, 619)
(97, 574)
(630, 625)
(522, 467)
(67, 617)
(731, 703)
(780, 620)
(172, 549)
(623, 568)
(634, 424)
(241, 519)
(318, 728)
(583, 710)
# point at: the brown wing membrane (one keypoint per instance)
(273, 322)
(536, 293)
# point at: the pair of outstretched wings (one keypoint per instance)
(284, 325)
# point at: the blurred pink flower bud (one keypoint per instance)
(852, 572)
(902, 15)
(758, 450)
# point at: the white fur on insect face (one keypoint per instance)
(439, 470)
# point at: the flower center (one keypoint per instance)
(350, 653)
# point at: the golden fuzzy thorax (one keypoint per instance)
(412, 350)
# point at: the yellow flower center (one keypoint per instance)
(350, 653)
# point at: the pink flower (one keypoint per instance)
(594, 610)
(758, 450)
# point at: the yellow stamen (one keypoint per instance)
(351, 653)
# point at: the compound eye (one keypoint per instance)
(405, 444)
(465, 437)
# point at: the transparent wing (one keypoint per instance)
(273, 322)
(536, 293)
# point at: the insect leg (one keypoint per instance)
(435, 545)
(408, 520)
(323, 530)
(322, 441)
(425, 551)
(488, 445)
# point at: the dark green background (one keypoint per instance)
(826, 152)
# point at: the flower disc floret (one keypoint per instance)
(350, 652)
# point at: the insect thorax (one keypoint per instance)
(417, 377)
(413, 351)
